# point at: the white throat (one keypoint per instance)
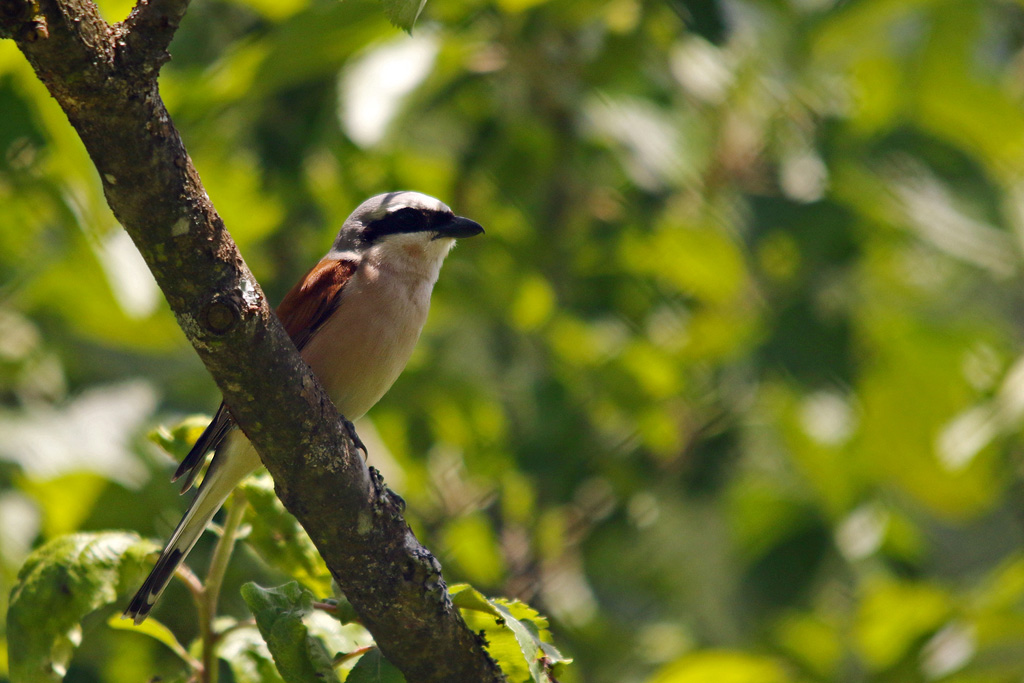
(410, 257)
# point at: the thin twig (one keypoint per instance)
(343, 657)
(214, 579)
(195, 586)
(180, 650)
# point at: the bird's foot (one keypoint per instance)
(399, 501)
(351, 428)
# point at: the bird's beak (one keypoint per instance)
(459, 227)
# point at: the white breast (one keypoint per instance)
(363, 347)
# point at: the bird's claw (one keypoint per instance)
(351, 429)
(398, 500)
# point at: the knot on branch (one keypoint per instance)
(21, 20)
(31, 31)
(226, 308)
(221, 314)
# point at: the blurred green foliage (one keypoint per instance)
(732, 389)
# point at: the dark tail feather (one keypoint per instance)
(191, 526)
(138, 609)
(211, 437)
(229, 466)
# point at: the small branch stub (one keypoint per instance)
(32, 31)
(221, 315)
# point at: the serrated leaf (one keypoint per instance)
(465, 596)
(538, 625)
(523, 612)
(279, 611)
(58, 585)
(279, 539)
(517, 635)
(502, 644)
(178, 439)
(531, 646)
(374, 668)
(403, 13)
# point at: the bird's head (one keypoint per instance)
(401, 226)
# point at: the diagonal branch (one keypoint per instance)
(105, 80)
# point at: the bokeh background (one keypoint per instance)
(733, 387)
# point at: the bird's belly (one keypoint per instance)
(362, 348)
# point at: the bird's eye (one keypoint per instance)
(404, 220)
(407, 217)
(407, 220)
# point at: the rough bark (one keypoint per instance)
(105, 79)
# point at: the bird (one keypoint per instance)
(355, 317)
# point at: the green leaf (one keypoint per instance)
(517, 635)
(179, 439)
(248, 656)
(279, 539)
(403, 13)
(279, 611)
(155, 630)
(465, 597)
(58, 585)
(374, 668)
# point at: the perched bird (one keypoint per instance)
(355, 318)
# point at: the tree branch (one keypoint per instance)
(149, 28)
(105, 80)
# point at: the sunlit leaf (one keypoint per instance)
(403, 13)
(697, 259)
(517, 635)
(279, 611)
(59, 584)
